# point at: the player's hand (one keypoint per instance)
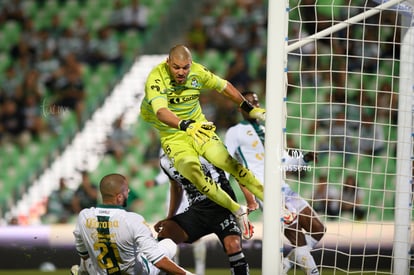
(258, 113)
(311, 156)
(201, 132)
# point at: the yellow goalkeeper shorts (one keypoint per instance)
(185, 153)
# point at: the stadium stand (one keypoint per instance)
(23, 165)
(26, 162)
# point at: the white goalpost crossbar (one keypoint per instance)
(342, 25)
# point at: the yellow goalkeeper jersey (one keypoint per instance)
(161, 91)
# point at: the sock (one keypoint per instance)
(304, 258)
(311, 241)
(287, 264)
(200, 251)
(238, 264)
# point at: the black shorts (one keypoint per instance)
(200, 220)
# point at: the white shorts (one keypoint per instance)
(294, 203)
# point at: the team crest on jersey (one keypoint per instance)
(194, 83)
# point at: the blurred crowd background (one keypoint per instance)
(59, 59)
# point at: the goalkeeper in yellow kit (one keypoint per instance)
(171, 104)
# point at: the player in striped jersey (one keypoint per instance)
(203, 216)
(245, 142)
(115, 241)
(199, 247)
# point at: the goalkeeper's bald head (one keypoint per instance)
(180, 52)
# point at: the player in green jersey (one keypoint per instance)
(171, 104)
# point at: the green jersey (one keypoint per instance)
(161, 91)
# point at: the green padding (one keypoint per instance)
(330, 8)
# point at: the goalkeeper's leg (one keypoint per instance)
(186, 159)
(189, 166)
(217, 154)
(187, 162)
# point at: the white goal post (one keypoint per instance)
(387, 181)
(276, 62)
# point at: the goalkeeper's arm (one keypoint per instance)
(200, 131)
(231, 92)
(168, 117)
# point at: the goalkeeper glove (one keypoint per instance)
(254, 112)
(201, 132)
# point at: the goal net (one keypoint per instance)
(347, 95)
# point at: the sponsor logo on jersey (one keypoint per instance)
(177, 100)
(94, 223)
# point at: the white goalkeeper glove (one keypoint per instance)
(254, 112)
(201, 132)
